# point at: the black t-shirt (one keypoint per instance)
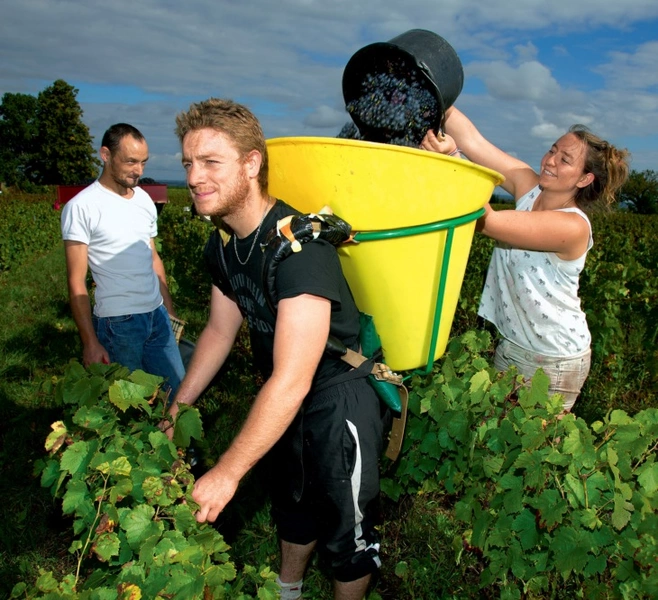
(315, 270)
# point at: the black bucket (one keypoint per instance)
(421, 64)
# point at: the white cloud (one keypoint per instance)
(145, 61)
(633, 70)
(529, 81)
(526, 52)
(326, 117)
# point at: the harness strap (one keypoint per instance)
(382, 372)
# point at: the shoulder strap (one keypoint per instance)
(288, 236)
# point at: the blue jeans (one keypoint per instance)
(143, 341)
(567, 375)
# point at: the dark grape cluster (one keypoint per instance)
(392, 109)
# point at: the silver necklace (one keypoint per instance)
(253, 244)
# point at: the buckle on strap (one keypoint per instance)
(382, 372)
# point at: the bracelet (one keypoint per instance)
(455, 151)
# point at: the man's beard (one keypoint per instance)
(234, 200)
(127, 183)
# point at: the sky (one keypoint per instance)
(532, 68)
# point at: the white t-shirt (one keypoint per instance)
(118, 233)
(532, 297)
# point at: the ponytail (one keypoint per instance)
(608, 164)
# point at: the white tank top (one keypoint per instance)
(532, 297)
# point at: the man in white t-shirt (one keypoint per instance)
(109, 228)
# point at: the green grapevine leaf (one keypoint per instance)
(620, 417)
(478, 386)
(106, 546)
(589, 518)
(551, 507)
(513, 500)
(430, 445)
(458, 427)
(270, 590)
(188, 426)
(126, 394)
(75, 497)
(621, 514)
(532, 463)
(158, 439)
(138, 524)
(50, 473)
(148, 381)
(534, 434)
(402, 569)
(538, 393)
(525, 525)
(75, 457)
(47, 582)
(391, 488)
(648, 478)
(86, 391)
(575, 491)
(217, 575)
(184, 585)
(210, 540)
(555, 457)
(492, 465)
(508, 434)
(501, 532)
(120, 490)
(94, 417)
(596, 483)
(119, 467)
(595, 566)
(570, 549)
(183, 518)
(56, 437)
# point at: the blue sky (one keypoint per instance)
(531, 68)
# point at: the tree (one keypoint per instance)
(18, 129)
(640, 192)
(65, 151)
(43, 140)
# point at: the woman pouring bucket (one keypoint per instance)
(531, 289)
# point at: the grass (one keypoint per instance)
(37, 337)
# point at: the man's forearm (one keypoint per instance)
(81, 310)
(166, 298)
(159, 269)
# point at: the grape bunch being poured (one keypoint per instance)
(392, 109)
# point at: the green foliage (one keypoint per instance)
(128, 491)
(18, 132)
(29, 227)
(45, 141)
(640, 192)
(445, 528)
(183, 238)
(546, 503)
(619, 288)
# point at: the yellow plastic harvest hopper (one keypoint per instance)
(415, 214)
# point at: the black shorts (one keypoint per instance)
(325, 475)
